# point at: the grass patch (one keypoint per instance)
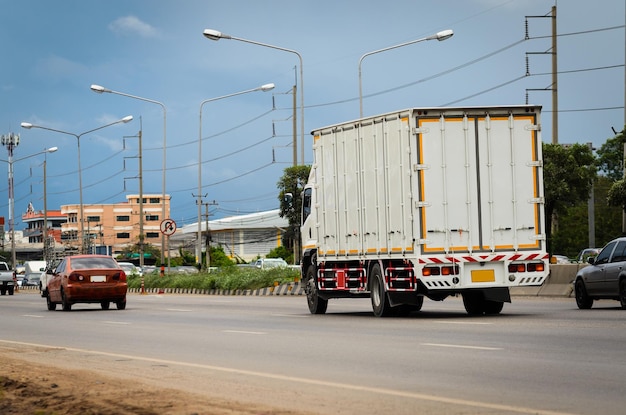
(230, 278)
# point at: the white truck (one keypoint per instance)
(425, 202)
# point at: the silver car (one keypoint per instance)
(604, 278)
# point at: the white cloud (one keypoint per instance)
(129, 25)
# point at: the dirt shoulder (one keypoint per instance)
(28, 387)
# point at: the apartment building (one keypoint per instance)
(116, 225)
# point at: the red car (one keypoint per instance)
(87, 279)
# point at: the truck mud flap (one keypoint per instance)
(500, 294)
(403, 297)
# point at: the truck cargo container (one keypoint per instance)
(425, 202)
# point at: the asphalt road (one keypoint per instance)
(540, 356)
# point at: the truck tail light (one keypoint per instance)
(517, 267)
(527, 267)
(450, 270)
(443, 270)
(429, 271)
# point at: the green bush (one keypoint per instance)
(228, 278)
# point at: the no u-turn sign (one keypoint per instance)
(168, 227)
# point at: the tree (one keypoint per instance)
(219, 257)
(568, 174)
(611, 156)
(573, 232)
(291, 185)
(150, 252)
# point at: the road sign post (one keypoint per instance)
(168, 228)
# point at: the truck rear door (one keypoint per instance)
(479, 176)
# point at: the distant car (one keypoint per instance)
(87, 279)
(586, 253)
(34, 272)
(19, 275)
(184, 269)
(264, 263)
(130, 268)
(604, 278)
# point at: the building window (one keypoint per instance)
(123, 235)
(93, 218)
(156, 200)
(152, 234)
(124, 218)
(152, 217)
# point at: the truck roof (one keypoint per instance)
(437, 110)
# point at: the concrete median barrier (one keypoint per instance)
(558, 283)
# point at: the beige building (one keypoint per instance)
(115, 226)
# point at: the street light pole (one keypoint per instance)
(46, 247)
(100, 89)
(264, 88)
(217, 35)
(443, 35)
(124, 120)
(6, 140)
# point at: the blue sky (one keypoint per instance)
(54, 50)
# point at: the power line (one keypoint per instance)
(579, 33)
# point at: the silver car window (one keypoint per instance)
(619, 254)
(605, 254)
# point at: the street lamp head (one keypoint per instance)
(444, 34)
(266, 87)
(27, 125)
(99, 89)
(215, 34)
(127, 118)
(51, 149)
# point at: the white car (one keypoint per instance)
(264, 263)
(130, 268)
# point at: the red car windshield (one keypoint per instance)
(94, 263)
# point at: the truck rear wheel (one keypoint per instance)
(316, 304)
(380, 301)
(493, 307)
(473, 303)
(11, 289)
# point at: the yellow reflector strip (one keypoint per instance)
(483, 275)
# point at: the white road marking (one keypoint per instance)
(306, 381)
(122, 323)
(31, 315)
(461, 346)
(243, 332)
(182, 310)
(291, 315)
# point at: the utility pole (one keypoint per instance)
(208, 233)
(140, 177)
(554, 86)
(199, 236)
(555, 95)
(10, 141)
